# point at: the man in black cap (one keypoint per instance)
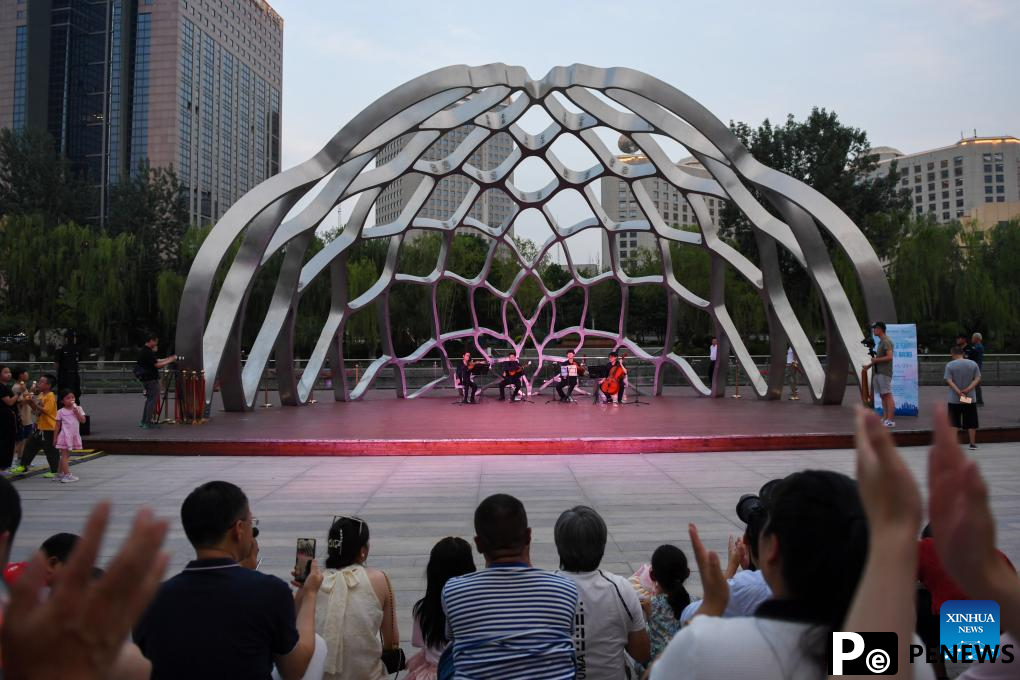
(882, 374)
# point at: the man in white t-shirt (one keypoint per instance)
(792, 368)
(713, 356)
(609, 618)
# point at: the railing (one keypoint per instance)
(99, 377)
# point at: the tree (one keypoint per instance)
(835, 160)
(35, 179)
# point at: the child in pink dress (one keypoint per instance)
(68, 435)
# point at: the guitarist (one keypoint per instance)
(512, 374)
(464, 376)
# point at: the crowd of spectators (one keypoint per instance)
(820, 553)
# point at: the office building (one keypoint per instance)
(977, 178)
(190, 83)
(493, 207)
(620, 205)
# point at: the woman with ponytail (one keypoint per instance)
(669, 572)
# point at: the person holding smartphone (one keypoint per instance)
(963, 376)
(217, 619)
(356, 607)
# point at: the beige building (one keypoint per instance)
(190, 83)
(620, 205)
(493, 207)
(976, 178)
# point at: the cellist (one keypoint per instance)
(615, 380)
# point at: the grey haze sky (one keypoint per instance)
(913, 73)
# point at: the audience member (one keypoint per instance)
(66, 364)
(217, 619)
(450, 557)
(8, 421)
(609, 618)
(812, 552)
(79, 632)
(68, 435)
(26, 418)
(669, 573)
(510, 620)
(962, 376)
(45, 407)
(356, 606)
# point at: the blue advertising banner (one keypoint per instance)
(904, 383)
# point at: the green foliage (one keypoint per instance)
(35, 180)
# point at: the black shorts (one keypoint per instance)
(963, 416)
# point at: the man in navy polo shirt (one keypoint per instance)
(217, 619)
(510, 620)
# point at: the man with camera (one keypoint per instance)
(882, 373)
(147, 371)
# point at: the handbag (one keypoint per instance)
(445, 669)
(393, 658)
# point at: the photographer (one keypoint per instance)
(748, 588)
(882, 374)
(147, 371)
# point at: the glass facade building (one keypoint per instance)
(189, 84)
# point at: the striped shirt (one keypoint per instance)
(511, 621)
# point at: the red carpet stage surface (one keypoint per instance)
(382, 425)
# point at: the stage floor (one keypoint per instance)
(433, 425)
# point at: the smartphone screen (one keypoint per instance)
(304, 557)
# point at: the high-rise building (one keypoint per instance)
(620, 205)
(492, 207)
(190, 83)
(976, 178)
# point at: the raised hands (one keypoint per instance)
(78, 632)
(961, 519)
(888, 491)
(713, 581)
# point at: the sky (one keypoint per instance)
(914, 74)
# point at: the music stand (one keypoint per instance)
(563, 373)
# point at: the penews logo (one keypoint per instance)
(863, 654)
(970, 626)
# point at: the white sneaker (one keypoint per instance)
(67, 479)
(889, 423)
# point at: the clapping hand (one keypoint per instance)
(78, 632)
(713, 581)
(961, 518)
(892, 502)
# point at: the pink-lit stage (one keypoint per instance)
(382, 425)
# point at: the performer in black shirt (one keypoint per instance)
(569, 372)
(465, 378)
(512, 374)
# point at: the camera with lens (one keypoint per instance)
(869, 342)
(753, 510)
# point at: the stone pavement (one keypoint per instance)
(411, 502)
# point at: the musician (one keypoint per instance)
(568, 377)
(466, 381)
(512, 374)
(617, 375)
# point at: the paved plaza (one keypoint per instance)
(411, 502)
